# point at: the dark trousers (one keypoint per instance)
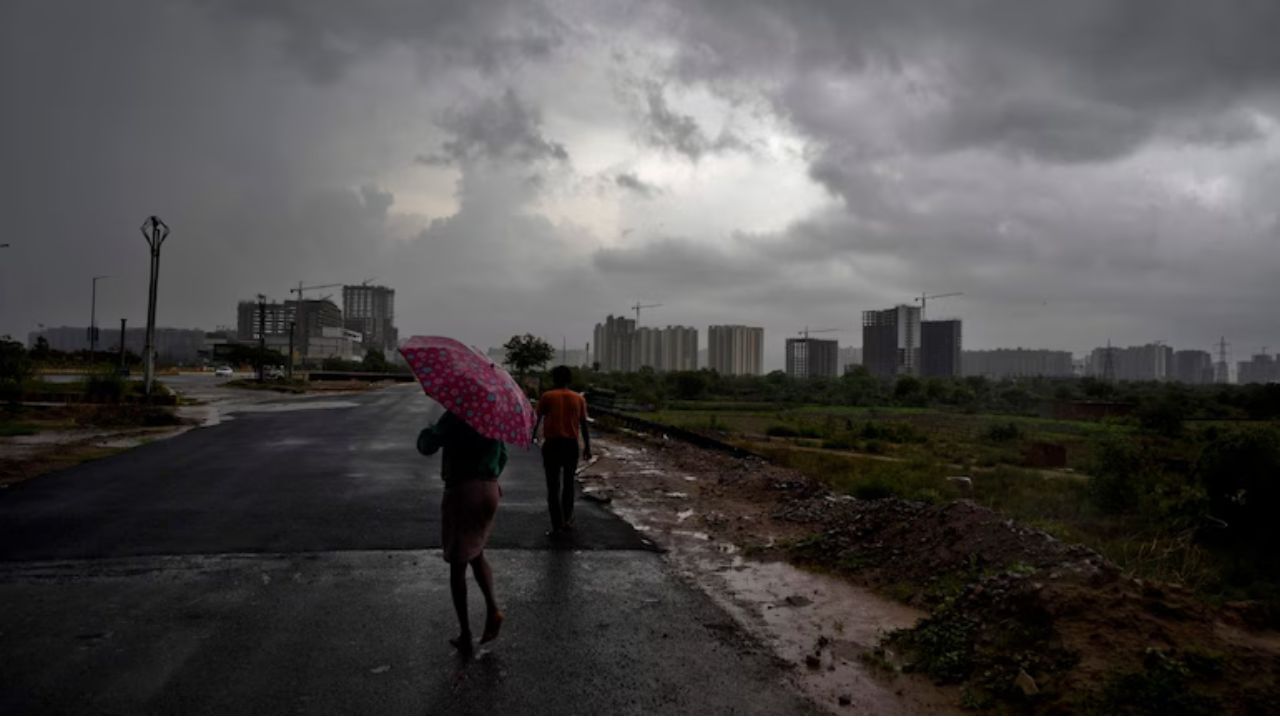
(560, 461)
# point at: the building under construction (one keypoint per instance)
(891, 341)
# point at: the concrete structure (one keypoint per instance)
(334, 342)
(614, 343)
(173, 345)
(1153, 361)
(275, 318)
(1259, 369)
(891, 341)
(1193, 367)
(679, 348)
(735, 349)
(812, 357)
(940, 342)
(1017, 362)
(370, 311)
(847, 358)
(668, 349)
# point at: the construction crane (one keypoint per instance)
(299, 290)
(806, 331)
(638, 307)
(926, 297)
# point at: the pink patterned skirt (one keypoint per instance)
(466, 518)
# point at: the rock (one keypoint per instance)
(845, 700)
(813, 661)
(962, 482)
(798, 601)
(1026, 684)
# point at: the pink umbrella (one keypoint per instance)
(471, 386)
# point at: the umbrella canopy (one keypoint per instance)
(471, 386)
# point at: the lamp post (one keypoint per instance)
(93, 320)
(155, 231)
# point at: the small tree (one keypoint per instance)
(525, 352)
(375, 361)
(15, 366)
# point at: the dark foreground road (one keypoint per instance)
(284, 562)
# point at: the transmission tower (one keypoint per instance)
(1222, 372)
(1109, 363)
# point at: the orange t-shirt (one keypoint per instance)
(564, 411)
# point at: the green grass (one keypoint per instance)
(11, 428)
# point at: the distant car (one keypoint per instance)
(224, 371)
(275, 373)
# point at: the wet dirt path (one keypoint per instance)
(821, 627)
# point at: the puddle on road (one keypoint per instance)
(218, 412)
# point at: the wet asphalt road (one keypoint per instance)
(285, 561)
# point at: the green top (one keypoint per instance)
(468, 455)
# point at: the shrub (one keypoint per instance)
(781, 431)
(873, 490)
(104, 386)
(1118, 476)
(1003, 432)
(1240, 472)
(15, 364)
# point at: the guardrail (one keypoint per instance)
(648, 426)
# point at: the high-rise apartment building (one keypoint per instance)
(1017, 362)
(679, 348)
(735, 349)
(271, 318)
(812, 357)
(370, 311)
(668, 349)
(1153, 361)
(940, 342)
(1259, 369)
(891, 341)
(614, 342)
(1193, 367)
(847, 358)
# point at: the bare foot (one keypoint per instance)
(492, 625)
(463, 644)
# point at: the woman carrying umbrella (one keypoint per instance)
(470, 468)
(484, 407)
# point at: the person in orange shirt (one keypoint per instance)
(565, 412)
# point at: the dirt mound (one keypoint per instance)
(917, 541)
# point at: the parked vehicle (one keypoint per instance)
(224, 371)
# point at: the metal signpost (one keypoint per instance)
(155, 231)
(93, 321)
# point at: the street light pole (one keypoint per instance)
(155, 231)
(93, 320)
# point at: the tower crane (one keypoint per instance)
(638, 307)
(925, 297)
(299, 290)
(806, 331)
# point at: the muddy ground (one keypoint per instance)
(970, 611)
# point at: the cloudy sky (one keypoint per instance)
(1080, 171)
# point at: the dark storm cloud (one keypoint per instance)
(325, 37)
(501, 128)
(1077, 168)
(1059, 81)
(631, 183)
(670, 130)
